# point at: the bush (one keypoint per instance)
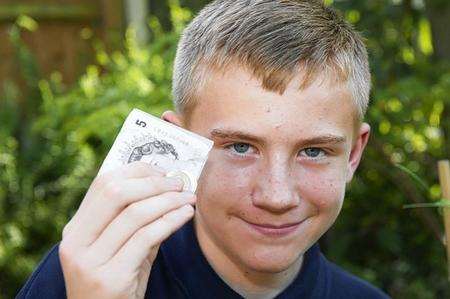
(49, 156)
(52, 146)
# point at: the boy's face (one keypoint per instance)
(275, 179)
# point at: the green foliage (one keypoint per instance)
(50, 154)
(53, 142)
(395, 248)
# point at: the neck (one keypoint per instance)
(246, 282)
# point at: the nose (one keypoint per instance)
(275, 190)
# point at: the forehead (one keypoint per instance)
(234, 99)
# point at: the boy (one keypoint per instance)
(281, 87)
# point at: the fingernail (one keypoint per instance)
(176, 182)
(193, 199)
(188, 208)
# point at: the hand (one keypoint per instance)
(109, 246)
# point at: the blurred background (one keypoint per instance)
(71, 70)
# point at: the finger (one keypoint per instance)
(128, 171)
(139, 187)
(132, 170)
(134, 217)
(106, 204)
(134, 252)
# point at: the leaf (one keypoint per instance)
(27, 23)
(443, 203)
(414, 176)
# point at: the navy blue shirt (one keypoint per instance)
(181, 271)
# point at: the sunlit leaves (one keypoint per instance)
(352, 16)
(425, 39)
(27, 23)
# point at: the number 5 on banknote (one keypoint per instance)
(146, 138)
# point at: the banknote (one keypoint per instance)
(146, 138)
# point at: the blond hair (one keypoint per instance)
(273, 39)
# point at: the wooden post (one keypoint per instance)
(444, 179)
(136, 13)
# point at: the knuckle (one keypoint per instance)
(66, 230)
(64, 251)
(100, 181)
(134, 213)
(113, 190)
(141, 168)
(72, 262)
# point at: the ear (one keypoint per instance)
(172, 117)
(359, 144)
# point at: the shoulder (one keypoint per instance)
(162, 282)
(346, 285)
(47, 281)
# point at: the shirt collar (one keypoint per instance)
(187, 263)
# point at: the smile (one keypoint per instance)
(271, 230)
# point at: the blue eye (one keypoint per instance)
(313, 152)
(241, 148)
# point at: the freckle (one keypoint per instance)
(268, 109)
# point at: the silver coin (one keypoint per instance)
(189, 183)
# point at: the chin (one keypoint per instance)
(270, 261)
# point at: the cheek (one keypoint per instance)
(325, 189)
(223, 183)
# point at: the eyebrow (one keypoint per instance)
(236, 134)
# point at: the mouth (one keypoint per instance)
(274, 230)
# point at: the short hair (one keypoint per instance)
(274, 40)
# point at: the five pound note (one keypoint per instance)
(146, 138)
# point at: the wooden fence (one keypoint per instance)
(57, 43)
